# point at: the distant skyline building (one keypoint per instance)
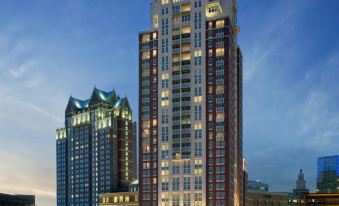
(298, 194)
(300, 189)
(17, 200)
(96, 150)
(257, 186)
(328, 174)
(190, 112)
(264, 198)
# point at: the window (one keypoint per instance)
(187, 183)
(176, 200)
(197, 40)
(197, 199)
(197, 183)
(165, 152)
(197, 20)
(176, 184)
(197, 131)
(164, 62)
(164, 134)
(165, 98)
(176, 169)
(197, 94)
(198, 112)
(186, 18)
(198, 149)
(198, 167)
(164, 27)
(164, 116)
(164, 80)
(164, 168)
(187, 199)
(197, 76)
(197, 57)
(187, 168)
(164, 185)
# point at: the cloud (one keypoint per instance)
(290, 98)
(23, 68)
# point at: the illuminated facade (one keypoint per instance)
(190, 111)
(96, 151)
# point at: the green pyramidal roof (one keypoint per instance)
(97, 96)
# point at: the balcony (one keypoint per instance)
(186, 94)
(176, 51)
(186, 76)
(186, 68)
(186, 40)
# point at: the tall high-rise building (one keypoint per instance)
(328, 174)
(96, 150)
(190, 111)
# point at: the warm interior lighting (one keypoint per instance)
(146, 55)
(186, 7)
(220, 51)
(155, 21)
(213, 9)
(197, 53)
(186, 56)
(186, 30)
(146, 38)
(220, 23)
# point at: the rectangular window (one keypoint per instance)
(176, 184)
(197, 183)
(187, 183)
(198, 149)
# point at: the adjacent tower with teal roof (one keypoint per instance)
(96, 150)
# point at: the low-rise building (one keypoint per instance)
(321, 199)
(130, 198)
(262, 198)
(17, 200)
(119, 199)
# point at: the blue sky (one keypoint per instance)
(51, 49)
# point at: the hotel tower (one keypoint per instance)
(96, 150)
(190, 113)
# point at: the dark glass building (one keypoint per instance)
(17, 200)
(328, 174)
(96, 150)
(258, 186)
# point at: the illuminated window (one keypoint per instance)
(213, 9)
(220, 51)
(220, 23)
(198, 167)
(154, 53)
(146, 55)
(164, 1)
(186, 30)
(164, 168)
(164, 199)
(155, 21)
(146, 38)
(165, 98)
(197, 94)
(197, 199)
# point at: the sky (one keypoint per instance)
(50, 50)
